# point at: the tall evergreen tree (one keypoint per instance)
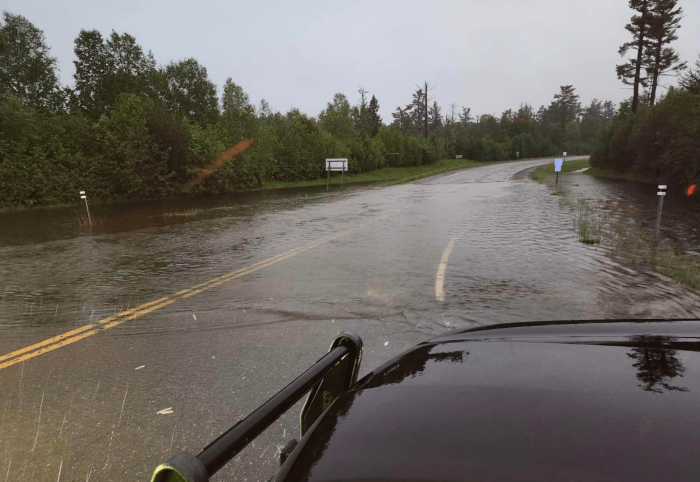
(690, 81)
(418, 110)
(435, 116)
(541, 115)
(608, 110)
(658, 57)
(360, 113)
(566, 102)
(374, 119)
(466, 116)
(631, 72)
(402, 119)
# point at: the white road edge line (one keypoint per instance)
(440, 277)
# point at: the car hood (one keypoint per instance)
(529, 402)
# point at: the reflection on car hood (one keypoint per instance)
(565, 402)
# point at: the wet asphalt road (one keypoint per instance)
(116, 399)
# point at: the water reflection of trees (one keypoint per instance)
(415, 363)
(656, 364)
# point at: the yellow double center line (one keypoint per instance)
(78, 334)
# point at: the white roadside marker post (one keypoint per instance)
(83, 196)
(661, 194)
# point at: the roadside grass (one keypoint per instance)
(628, 176)
(542, 173)
(384, 175)
(387, 176)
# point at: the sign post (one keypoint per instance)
(83, 196)
(557, 167)
(564, 157)
(661, 194)
(336, 165)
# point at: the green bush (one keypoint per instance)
(660, 142)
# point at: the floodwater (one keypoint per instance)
(172, 376)
(680, 215)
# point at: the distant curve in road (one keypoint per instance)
(500, 172)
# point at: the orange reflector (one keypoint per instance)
(690, 190)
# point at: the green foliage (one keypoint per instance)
(187, 90)
(106, 69)
(375, 121)
(27, 71)
(336, 118)
(134, 130)
(660, 142)
(690, 81)
(238, 116)
(171, 135)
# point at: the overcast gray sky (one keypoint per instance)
(489, 55)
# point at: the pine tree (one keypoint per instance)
(608, 110)
(631, 72)
(566, 102)
(658, 58)
(375, 120)
(434, 116)
(691, 80)
(466, 117)
(417, 109)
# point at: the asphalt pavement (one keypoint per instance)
(223, 312)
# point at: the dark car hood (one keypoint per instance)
(565, 402)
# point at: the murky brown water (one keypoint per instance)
(91, 408)
(680, 220)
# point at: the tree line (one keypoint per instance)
(132, 129)
(654, 135)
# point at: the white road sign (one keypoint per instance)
(459, 156)
(337, 165)
(565, 154)
(557, 164)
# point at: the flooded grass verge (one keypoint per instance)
(542, 173)
(187, 212)
(612, 224)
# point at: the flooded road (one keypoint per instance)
(235, 300)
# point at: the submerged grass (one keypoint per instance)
(187, 212)
(612, 224)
